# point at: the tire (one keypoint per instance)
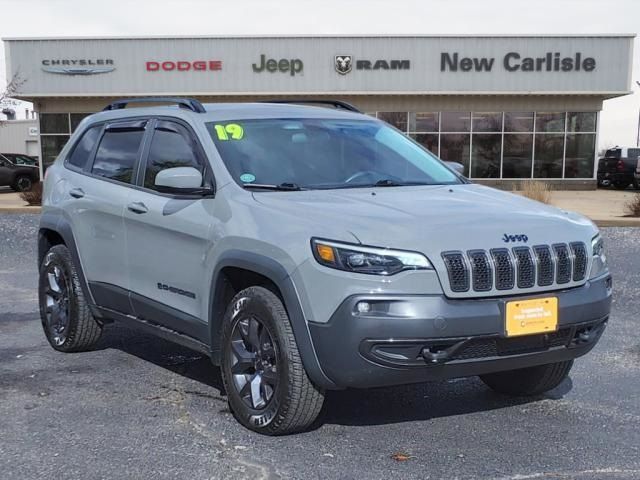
(528, 381)
(636, 184)
(22, 183)
(66, 319)
(621, 185)
(288, 401)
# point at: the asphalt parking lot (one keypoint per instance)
(142, 408)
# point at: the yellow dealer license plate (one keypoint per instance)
(528, 317)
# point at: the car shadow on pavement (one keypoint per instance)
(183, 361)
(352, 407)
(419, 402)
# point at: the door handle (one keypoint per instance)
(76, 193)
(137, 207)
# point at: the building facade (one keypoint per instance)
(19, 136)
(508, 108)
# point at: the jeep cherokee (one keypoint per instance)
(306, 249)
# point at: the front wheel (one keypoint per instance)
(528, 381)
(22, 183)
(267, 386)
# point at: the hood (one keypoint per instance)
(430, 219)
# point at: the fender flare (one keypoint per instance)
(274, 271)
(59, 225)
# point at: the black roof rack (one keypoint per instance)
(188, 103)
(339, 104)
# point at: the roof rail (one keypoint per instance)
(188, 103)
(339, 104)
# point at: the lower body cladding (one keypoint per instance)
(382, 340)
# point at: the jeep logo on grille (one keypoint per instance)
(515, 238)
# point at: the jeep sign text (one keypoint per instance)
(283, 65)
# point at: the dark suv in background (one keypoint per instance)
(618, 167)
(18, 171)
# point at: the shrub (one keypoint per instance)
(33, 196)
(539, 191)
(632, 207)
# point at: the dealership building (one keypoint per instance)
(509, 108)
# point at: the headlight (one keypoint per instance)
(599, 263)
(370, 260)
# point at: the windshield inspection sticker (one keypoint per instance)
(230, 131)
(247, 178)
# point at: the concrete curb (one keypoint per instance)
(24, 209)
(618, 222)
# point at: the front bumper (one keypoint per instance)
(417, 338)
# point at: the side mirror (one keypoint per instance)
(184, 180)
(456, 167)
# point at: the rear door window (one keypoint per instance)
(118, 151)
(84, 147)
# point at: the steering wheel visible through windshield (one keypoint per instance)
(324, 154)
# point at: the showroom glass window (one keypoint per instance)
(424, 128)
(510, 145)
(517, 155)
(55, 131)
(486, 144)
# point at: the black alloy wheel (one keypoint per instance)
(56, 309)
(253, 363)
(23, 184)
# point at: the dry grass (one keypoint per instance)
(632, 207)
(538, 191)
(33, 196)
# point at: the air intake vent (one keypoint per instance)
(579, 261)
(544, 259)
(563, 265)
(457, 270)
(526, 268)
(481, 274)
(504, 269)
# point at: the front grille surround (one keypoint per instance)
(520, 268)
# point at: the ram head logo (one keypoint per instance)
(343, 64)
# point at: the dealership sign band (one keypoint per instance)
(78, 66)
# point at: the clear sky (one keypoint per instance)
(619, 119)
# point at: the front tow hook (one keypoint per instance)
(440, 354)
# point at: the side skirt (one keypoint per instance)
(155, 329)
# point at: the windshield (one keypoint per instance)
(322, 153)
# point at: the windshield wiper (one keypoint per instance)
(387, 182)
(283, 187)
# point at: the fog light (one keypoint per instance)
(363, 307)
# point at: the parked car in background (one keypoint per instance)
(17, 174)
(21, 159)
(618, 168)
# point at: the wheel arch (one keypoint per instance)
(236, 270)
(56, 230)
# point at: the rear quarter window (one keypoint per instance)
(82, 150)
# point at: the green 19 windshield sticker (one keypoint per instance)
(230, 131)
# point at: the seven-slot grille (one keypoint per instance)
(524, 267)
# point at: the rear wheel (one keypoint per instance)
(67, 322)
(267, 386)
(528, 381)
(22, 183)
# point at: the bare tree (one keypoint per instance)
(11, 89)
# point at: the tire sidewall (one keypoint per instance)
(56, 257)
(255, 303)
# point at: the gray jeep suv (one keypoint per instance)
(306, 249)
